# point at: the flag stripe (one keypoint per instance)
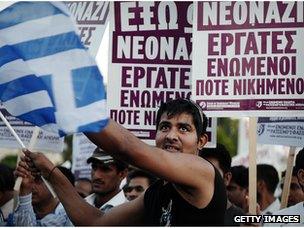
(41, 116)
(53, 44)
(47, 65)
(7, 55)
(21, 86)
(17, 14)
(14, 70)
(36, 29)
(93, 127)
(28, 103)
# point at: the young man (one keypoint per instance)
(106, 176)
(192, 193)
(267, 182)
(221, 159)
(138, 181)
(297, 209)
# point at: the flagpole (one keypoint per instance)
(31, 145)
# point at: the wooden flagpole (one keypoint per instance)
(252, 165)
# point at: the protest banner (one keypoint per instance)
(82, 150)
(288, 131)
(91, 18)
(150, 61)
(247, 58)
(46, 141)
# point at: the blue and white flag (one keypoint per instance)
(47, 76)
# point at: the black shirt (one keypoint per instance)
(164, 206)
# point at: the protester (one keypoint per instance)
(137, 182)
(193, 193)
(221, 159)
(237, 189)
(107, 174)
(297, 209)
(83, 186)
(37, 206)
(296, 194)
(267, 182)
(7, 182)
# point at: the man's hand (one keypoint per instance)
(38, 163)
(23, 170)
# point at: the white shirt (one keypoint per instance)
(274, 207)
(118, 199)
(297, 209)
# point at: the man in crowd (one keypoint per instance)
(267, 182)
(137, 182)
(106, 176)
(193, 193)
(296, 194)
(237, 189)
(37, 206)
(221, 159)
(7, 182)
(297, 209)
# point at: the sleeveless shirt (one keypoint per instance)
(164, 206)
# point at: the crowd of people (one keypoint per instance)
(176, 183)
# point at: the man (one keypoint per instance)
(83, 186)
(137, 182)
(7, 182)
(37, 206)
(106, 176)
(237, 189)
(297, 209)
(221, 159)
(193, 193)
(296, 194)
(267, 182)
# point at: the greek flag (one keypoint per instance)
(46, 75)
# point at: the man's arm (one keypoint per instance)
(79, 211)
(192, 173)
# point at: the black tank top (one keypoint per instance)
(165, 207)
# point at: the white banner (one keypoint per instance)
(82, 150)
(91, 18)
(247, 58)
(46, 141)
(281, 131)
(150, 62)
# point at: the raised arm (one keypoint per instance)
(78, 210)
(183, 169)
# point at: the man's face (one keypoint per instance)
(236, 194)
(177, 134)
(40, 192)
(296, 195)
(105, 178)
(136, 186)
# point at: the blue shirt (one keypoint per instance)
(25, 215)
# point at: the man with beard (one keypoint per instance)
(106, 176)
(191, 191)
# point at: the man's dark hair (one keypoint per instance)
(7, 180)
(178, 106)
(240, 175)
(140, 173)
(221, 154)
(67, 172)
(294, 172)
(269, 175)
(300, 159)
